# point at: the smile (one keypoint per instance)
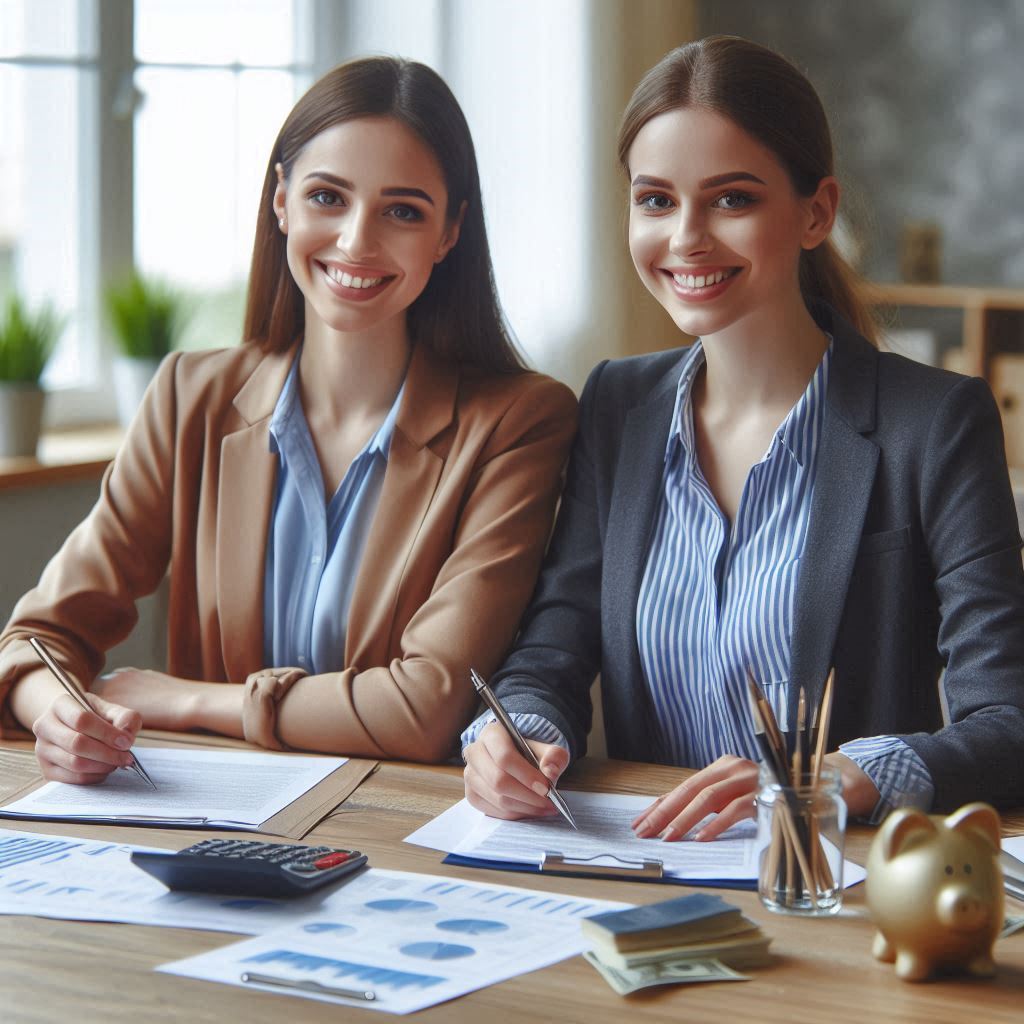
(704, 280)
(341, 277)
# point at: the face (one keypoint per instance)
(716, 228)
(364, 209)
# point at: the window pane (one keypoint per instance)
(47, 28)
(202, 141)
(42, 250)
(215, 31)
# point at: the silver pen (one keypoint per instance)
(487, 696)
(69, 685)
(305, 985)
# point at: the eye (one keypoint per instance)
(406, 214)
(653, 202)
(949, 869)
(325, 197)
(734, 201)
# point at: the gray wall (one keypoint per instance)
(926, 102)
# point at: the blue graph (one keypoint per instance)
(472, 926)
(318, 927)
(397, 906)
(437, 950)
(367, 974)
(20, 850)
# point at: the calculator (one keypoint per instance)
(246, 867)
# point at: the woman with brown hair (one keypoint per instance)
(353, 504)
(778, 498)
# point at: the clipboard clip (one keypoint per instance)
(555, 863)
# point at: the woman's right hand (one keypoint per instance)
(84, 747)
(502, 783)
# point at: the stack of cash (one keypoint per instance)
(687, 939)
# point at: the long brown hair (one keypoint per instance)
(457, 315)
(774, 103)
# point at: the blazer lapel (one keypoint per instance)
(634, 501)
(248, 471)
(846, 465)
(411, 478)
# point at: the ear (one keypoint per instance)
(280, 194)
(977, 818)
(451, 233)
(822, 208)
(904, 828)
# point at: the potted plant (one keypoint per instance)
(26, 340)
(147, 317)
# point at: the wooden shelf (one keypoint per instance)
(945, 296)
(63, 456)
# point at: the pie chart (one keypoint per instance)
(437, 950)
(398, 906)
(472, 926)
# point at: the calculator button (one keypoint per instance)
(331, 860)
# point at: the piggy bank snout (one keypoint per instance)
(962, 908)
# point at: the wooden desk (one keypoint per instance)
(76, 973)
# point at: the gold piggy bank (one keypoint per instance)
(935, 891)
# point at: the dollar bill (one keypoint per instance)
(1010, 925)
(671, 972)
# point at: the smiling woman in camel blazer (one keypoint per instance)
(464, 514)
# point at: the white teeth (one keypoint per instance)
(702, 280)
(348, 281)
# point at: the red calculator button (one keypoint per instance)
(331, 859)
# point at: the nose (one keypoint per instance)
(690, 236)
(962, 909)
(357, 237)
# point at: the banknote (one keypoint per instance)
(672, 972)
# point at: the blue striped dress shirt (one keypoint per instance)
(717, 598)
(315, 546)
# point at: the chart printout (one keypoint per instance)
(413, 940)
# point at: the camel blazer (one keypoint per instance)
(473, 477)
(911, 564)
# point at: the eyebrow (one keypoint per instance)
(344, 183)
(714, 182)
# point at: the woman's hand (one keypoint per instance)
(502, 783)
(727, 788)
(83, 747)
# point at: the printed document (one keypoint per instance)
(230, 789)
(604, 838)
(413, 940)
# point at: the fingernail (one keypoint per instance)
(669, 834)
(640, 828)
(123, 743)
(540, 789)
(700, 836)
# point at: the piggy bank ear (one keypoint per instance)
(978, 818)
(904, 829)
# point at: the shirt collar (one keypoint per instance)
(289, 407)
(798, 433)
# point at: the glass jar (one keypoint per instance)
(801, 831)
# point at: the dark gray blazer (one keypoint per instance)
(912, 563)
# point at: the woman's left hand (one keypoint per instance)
(727, 788)
(165, 702)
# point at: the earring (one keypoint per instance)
(280, 222)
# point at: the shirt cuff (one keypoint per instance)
(264, 690)
(533, 727)
(899, 774)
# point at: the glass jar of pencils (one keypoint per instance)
(801, 830)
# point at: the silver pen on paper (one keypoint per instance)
(69, 685)
(487, 696)
(305, 985)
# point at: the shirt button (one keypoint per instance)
(315, 560)
(302, 660)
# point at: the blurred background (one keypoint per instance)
(135, 134)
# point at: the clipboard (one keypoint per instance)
(293, 821)
(554, 863)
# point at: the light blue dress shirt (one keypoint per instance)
(718, 597)
(315, 546)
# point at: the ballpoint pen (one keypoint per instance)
(492, 702)
(69, 685)
(307, 985)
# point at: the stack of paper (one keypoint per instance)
(690, 938)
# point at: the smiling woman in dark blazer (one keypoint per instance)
(780, 496)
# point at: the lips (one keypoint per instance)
(355, 283)
(707, 283)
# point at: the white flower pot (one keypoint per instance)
(21, 418)
(131, 378)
